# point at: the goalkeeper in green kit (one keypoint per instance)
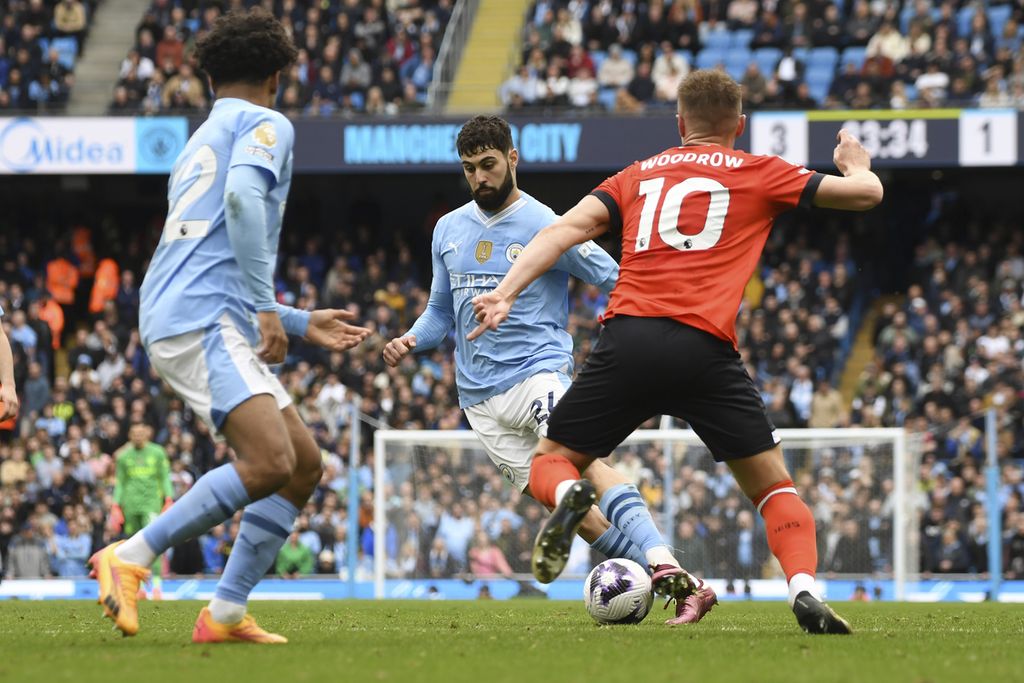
(142, 488)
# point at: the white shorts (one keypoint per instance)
(214, 371)
(510, 424)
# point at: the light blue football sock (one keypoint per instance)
(214, 497)
(264, 529)
(613, 543)
(623, 506)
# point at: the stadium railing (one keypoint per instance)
(456, 35)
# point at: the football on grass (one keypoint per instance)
(618, 592)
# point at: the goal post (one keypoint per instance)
(859, 482)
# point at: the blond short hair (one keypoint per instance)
(711, 99)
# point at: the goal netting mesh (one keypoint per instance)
(445, 511)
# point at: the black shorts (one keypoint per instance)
(642, 367)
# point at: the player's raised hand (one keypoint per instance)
(491, 310)
(329, 329)
(850, 155)
(398, 348)
(273, 339)
(8, 402)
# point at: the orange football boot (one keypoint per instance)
(246, 631)
(119, 588)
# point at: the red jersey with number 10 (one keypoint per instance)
(694, 221)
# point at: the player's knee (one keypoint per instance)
(276, 469)
(309, 471)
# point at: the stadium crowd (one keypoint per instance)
(858, 54)
(84, 379)
(39, 44)
(355, 56)
(953, 351)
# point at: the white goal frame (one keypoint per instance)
(904, 519)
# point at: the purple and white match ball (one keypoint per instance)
(618, 592)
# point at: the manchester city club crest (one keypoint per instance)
(513, 252)
(507, 472)
(483, 250)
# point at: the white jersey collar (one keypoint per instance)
(491, 221)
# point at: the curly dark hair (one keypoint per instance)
(484, 132)
(245, 47)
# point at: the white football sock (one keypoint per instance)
(661, 554)
(136, 551)
(224, 612)
(800, 583)
(562, 489)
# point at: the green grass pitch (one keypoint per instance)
(520, 641)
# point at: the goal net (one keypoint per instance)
(444, 508)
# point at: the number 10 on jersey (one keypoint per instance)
(668, 221)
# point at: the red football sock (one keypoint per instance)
(790, 527)
(546, 473)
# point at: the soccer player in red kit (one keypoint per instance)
(694, 220)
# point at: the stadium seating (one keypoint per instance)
(741, 38)
(301, 91)
(38, 55)
(729, 48)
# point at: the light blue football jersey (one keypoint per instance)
(193, 278)
(472, 251)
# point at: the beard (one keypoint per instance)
(491, 198)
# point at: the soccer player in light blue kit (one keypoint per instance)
(509, 383)
(210, 325)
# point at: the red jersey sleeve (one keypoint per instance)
(787, 186)
(612, 193)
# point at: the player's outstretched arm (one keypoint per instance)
(329, 328)
(437, 319)
(585, 221)
(398, 348)
(429, 330)
(592, 264)
(245, 216)
(859, 189)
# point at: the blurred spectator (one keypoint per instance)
(183, 90)
(616, 71)
(294, 559)
(642, 88)
(456, 529)
(486, 559)
(828, 409)
(27, 557)
(850, 554)
(523, 85)
(933, 84)
(440, 563)
(72, 551)
(741, 13)
(170, 49)
(69, 19)
(1014, 562)
(889, 43)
